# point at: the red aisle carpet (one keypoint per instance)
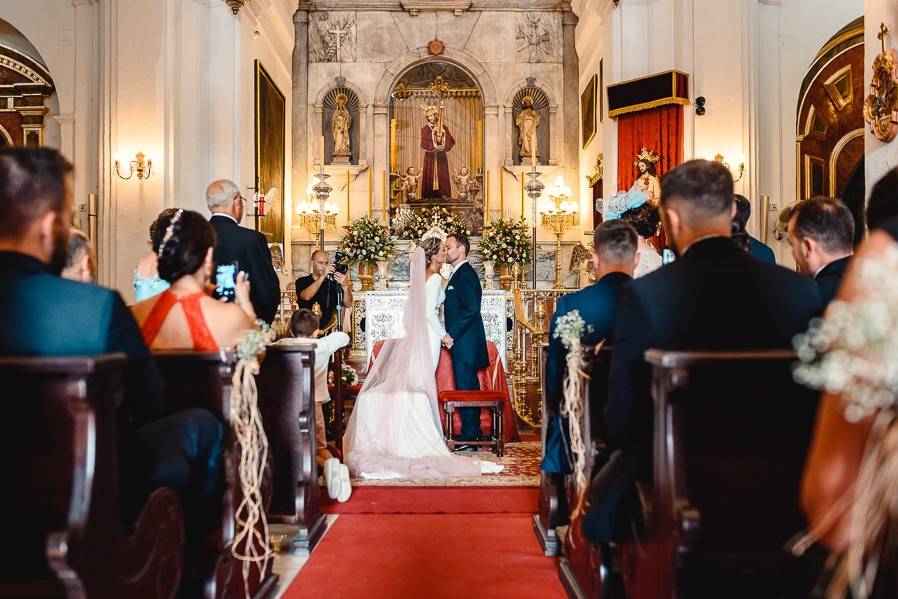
(437, 500)
(428, 556)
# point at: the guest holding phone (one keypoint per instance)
(185, 316)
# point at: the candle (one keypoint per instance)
(487, 191)
(533, 150)
(522, 194)
(370, 191)
(322, 152)
(384, 202)
(347, 195)
(501, 194)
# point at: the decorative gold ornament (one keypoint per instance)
(436, 47)
(882, 103)
(646, 154)
(599, 172)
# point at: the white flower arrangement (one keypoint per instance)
(418, 222)
(853, 351)
(569, 329)
(350, 375)
(505, 242)
(368, 241)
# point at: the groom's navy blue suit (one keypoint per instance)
(465, 325)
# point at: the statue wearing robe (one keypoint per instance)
(435, 178)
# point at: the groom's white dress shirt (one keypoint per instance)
(456, 267)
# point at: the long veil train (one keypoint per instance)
(394, 430)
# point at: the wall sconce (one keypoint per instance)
(141, 165)
(700, 106)
(719, 158)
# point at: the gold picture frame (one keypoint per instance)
(588, 111)
(270, 151)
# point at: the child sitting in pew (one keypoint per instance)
(304, 325)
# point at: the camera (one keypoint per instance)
(340, 263)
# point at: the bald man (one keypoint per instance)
(248, 248)
(323, 286)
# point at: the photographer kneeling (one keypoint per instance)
(324, 286)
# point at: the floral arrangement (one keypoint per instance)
(569, 329)
(505, 242)
(350, 375)
(413, 224)
(854, 350)
(368, 241)
(253, 342)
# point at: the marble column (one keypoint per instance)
(570, 98)
(300, 91)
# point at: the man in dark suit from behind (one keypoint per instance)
(614, 259)
(759, 249)
(42, 314)
(246, 247)
(714, 297)
(821, 234)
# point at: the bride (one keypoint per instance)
(394, 430)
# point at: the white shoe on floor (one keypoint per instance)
(332, 477)
(345, 484)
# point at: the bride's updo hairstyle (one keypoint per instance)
(181, 240)
(645, 219)
(431, 248)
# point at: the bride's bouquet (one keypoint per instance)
(367, 241)
(505, 242)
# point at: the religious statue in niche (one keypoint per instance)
(882, 103)
(466, 184)
(528, 123)
(436, 141)
(647, 181)
(340, 123)
(406, 186)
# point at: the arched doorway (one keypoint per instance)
(830, 134)
(25, 86)
(429, 170)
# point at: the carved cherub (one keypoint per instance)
(466, 184)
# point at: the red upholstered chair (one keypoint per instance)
(492, 378)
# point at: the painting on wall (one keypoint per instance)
(270, 154)
(588, 111)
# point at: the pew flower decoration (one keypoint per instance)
(367, 241)
(251, 540)
(506, 242)
(569, 330)
(853, 351)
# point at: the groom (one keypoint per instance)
(464, 329)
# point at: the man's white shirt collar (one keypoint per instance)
(456, 267)
(226, 216)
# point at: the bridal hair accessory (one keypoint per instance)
(646, 154)
(170, 230)
(622, 201)
(434, 232)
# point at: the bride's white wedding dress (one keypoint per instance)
(394, 430)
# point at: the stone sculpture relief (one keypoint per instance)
(537, 36)
(332, 37)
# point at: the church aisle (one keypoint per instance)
(428, 555)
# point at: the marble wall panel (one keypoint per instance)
(380, 40)
(493, 38)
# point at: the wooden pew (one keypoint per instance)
(62, 526)
(553, 508)
(203, 380)
(286, 385)
(579, 566)
(731, 433)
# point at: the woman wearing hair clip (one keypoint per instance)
(185, 316)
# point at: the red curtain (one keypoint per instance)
(658, 129)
